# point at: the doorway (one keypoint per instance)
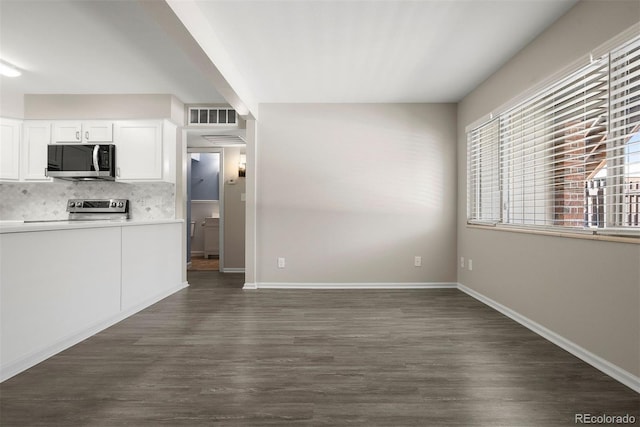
(231, 197)
(204, 210)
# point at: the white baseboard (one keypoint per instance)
(374, 285)
(615, 372)
(232, 270)
(11, 369)
(250, 286)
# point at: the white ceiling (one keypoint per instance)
(282, 51)
(374, 51)
(97, 47)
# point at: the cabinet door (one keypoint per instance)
(9, 150)
(139, 150)
(97, 132)
(64, 131)
(37, 135)
(151, 262)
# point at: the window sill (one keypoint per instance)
(577, 234)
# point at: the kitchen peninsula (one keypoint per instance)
(62, 282)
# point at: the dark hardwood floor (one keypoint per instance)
(214, 354)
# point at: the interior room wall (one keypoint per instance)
(205, 173)
(250, 204)
(234, 211)
(11, 103)
(585, 291)
(102, 106)
(351, 193)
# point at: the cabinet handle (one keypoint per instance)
(86, 135)
(118, 172)
(78, 135)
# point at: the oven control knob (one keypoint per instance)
(113, 204)
(72, 204)
(120, 204)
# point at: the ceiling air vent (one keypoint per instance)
(212, 116)
(224, 140)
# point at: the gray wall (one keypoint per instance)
(205, 174)
(104, 106)
(350, 193)
(586, 291)
(11, 103)
(234, 211)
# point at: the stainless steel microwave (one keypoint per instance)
(81, 162)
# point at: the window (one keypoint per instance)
(568, 157)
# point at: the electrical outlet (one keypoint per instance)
(470, 265)
(461, 262)
(417, 261)
(281, 262)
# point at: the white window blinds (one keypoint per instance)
(550, 146)
(568, 157)
(624, 136)
(484, 173)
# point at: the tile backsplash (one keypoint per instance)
(38, 201)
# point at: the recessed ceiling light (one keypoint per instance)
(9, 70)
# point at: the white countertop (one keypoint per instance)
(22, 227)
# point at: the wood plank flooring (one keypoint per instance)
(214, 354)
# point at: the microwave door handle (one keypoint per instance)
(96, 165)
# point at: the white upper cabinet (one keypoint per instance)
(96, 131)
(36, 137)
(10, 149)
(145, 150)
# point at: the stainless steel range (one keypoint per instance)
(98, 209)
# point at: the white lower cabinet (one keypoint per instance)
(211, 237)
(10, 149)
(54, 292)
(145, 150)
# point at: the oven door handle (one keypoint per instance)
(96, 165)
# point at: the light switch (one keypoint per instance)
(243, 197)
